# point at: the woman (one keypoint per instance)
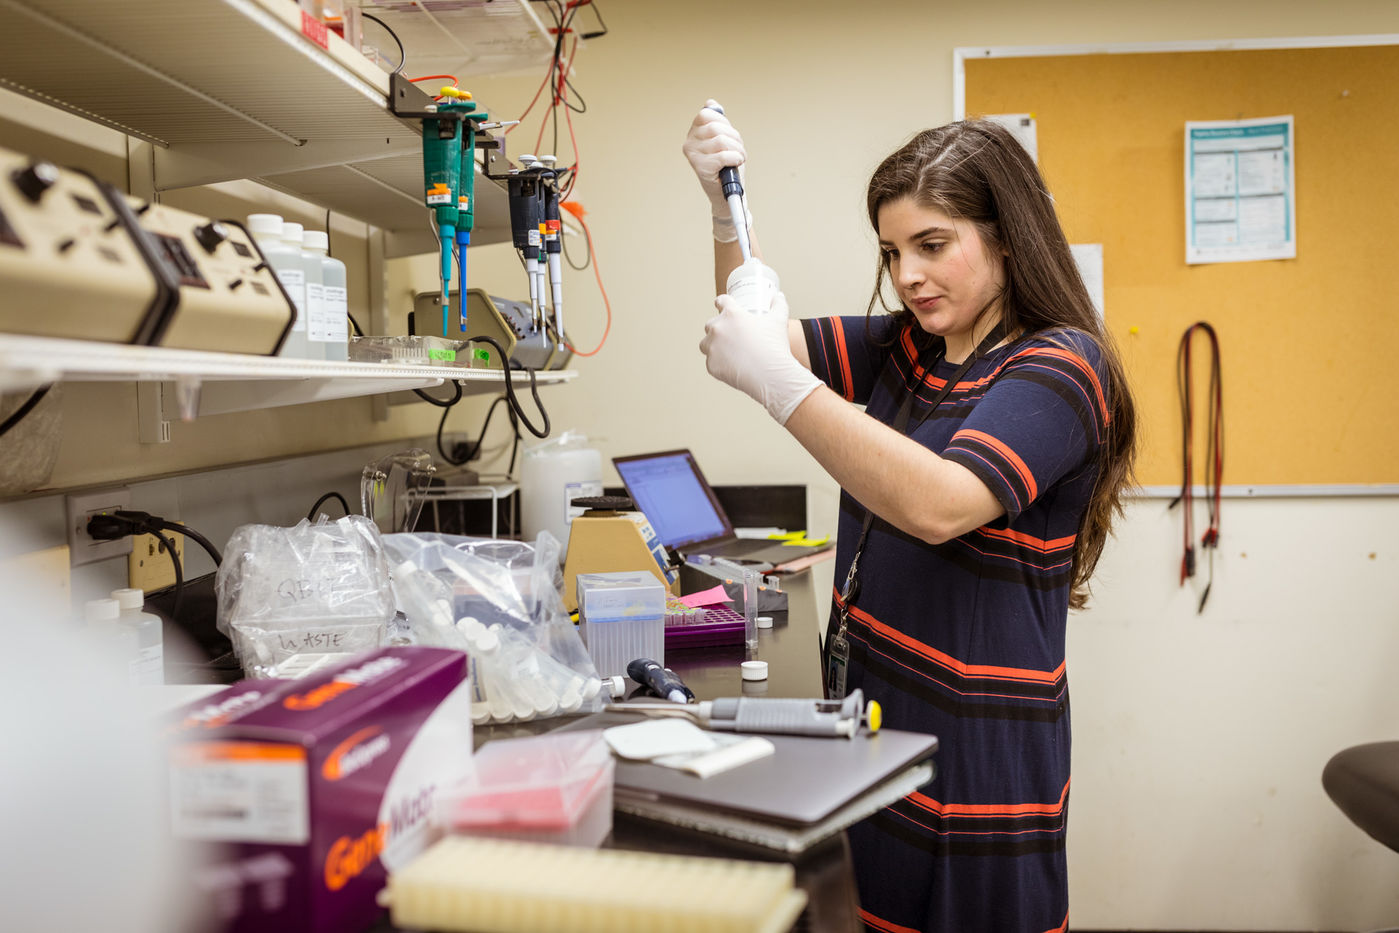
(978, 487)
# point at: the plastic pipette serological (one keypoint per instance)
(733, 194)
(662, 681)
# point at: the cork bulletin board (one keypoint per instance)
(1310, 375)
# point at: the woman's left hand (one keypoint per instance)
(751, 353)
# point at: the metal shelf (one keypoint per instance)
(193, 383)
(227, 89)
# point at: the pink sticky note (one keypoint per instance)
(715, 594)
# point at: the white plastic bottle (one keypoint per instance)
(147, 661)
(315, 299)
(753, 285)
(335, 308)
(286, 262)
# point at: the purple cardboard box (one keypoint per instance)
(309, 791)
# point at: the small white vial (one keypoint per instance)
(146, 665)
(290, 269)
(332, 332)
(314, 309)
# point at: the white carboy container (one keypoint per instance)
(552, 475)
(290, 269)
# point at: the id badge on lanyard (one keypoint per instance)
(837, 661)
(838, 645)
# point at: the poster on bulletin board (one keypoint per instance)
(1240, 191)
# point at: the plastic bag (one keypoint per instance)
(309, 593)
(499, 601)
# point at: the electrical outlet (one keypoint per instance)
(149, 567)
(82, 546)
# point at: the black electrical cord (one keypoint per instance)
(595, 34)
(563, 241)
(475, 451)
(311, 515)
(169, 548)
(199, 539)
(123, 522)
(441, 403)
(510, 388)
(359, 331)
(18, 414)
(402, 55)
(515, 448)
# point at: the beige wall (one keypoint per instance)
(1200, 740)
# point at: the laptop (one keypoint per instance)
(671, 491)
(809, 789)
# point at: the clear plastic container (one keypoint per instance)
(554, 788)
(290, 270)
(313, 311)
(146, 664)
(621, 617)
(328, 327)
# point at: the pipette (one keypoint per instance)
(466, 196)
(442, 183)
(525, 216)
(662, 681)
(553, 246)
(733, 194)
(830, 718)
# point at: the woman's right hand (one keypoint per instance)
(713, 144)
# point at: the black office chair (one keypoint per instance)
(1363, 782)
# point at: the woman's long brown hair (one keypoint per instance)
(976, 171)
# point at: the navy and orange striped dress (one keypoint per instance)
(965, 640)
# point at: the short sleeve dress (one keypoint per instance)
(965, 639)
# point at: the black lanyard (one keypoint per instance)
(838, 646)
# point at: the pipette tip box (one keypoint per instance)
(548, 788)
(621, 617)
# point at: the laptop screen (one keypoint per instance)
(672, 493)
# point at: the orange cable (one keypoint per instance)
(577, 211)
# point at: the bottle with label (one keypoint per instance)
(146, 663)
(753, 285)
(315, 300)
(334, 332)
(290, 270)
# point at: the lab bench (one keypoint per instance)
(792, 651)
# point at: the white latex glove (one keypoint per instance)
(750, 352)
(712, 144)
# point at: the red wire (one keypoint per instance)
(547, 76)
(430, 77)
